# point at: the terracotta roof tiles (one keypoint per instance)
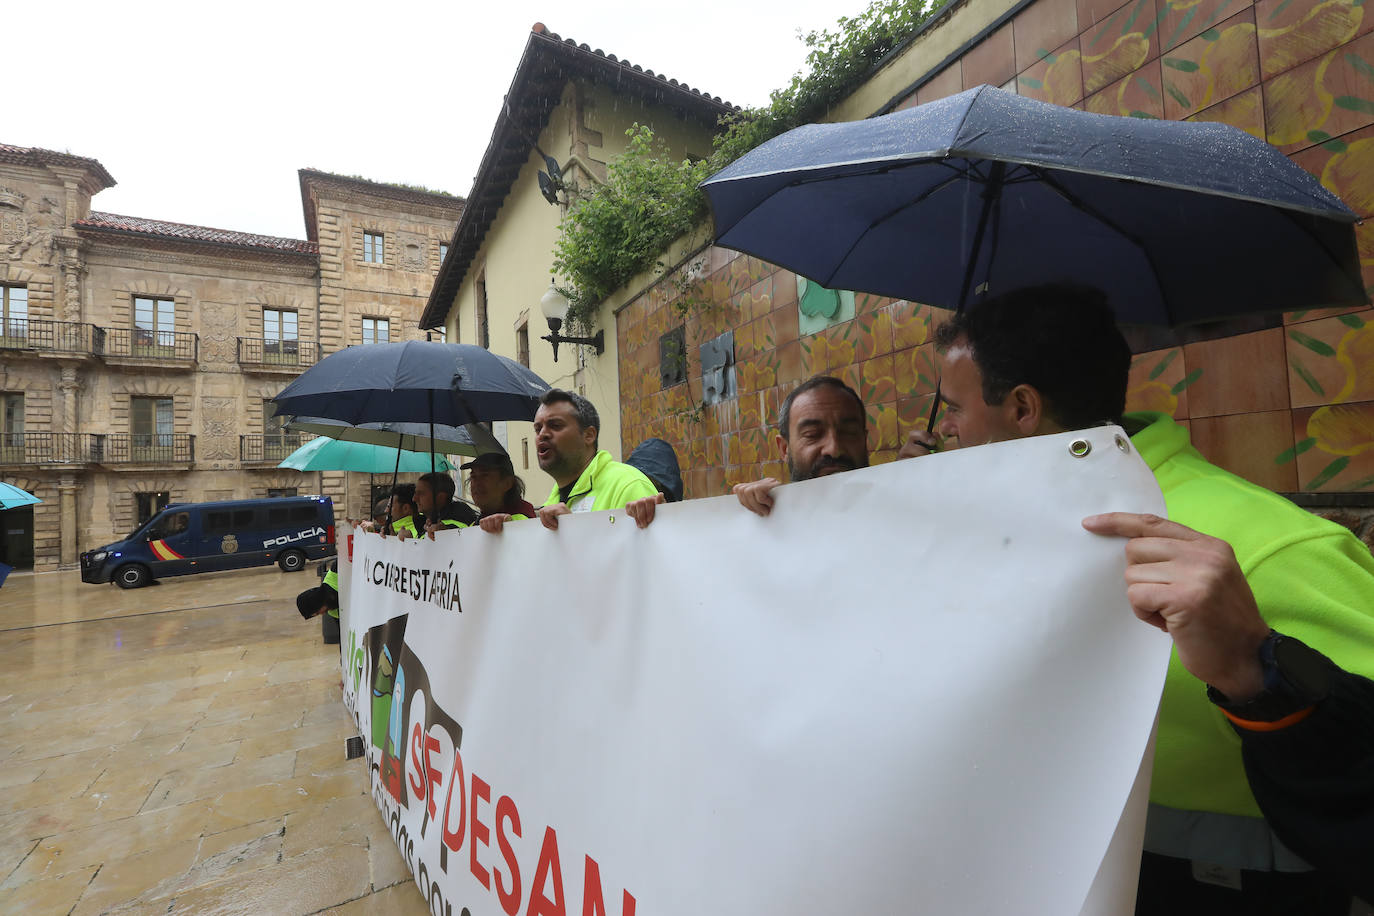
(181, 232)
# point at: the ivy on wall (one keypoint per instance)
(619, 229)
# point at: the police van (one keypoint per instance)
(188, 538)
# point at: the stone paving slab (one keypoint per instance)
(180, 749)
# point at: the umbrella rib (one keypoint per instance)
(1326, 250)
(927, 194)
(1075, 201)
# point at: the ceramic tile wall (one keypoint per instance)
(1291, 408)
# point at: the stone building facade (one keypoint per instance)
(137, 355)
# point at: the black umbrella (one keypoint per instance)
(1179, 223)
(414, 382)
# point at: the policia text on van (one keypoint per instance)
(189, 538)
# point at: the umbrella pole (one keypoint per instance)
(396, 473)
(431, 431)
(991, 191)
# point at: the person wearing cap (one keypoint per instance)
(495, 488)
(434, 498)
(586, 478)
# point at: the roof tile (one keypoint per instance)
(156, 228)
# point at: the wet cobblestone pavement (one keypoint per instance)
(180, 749)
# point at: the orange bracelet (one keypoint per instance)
(1278, 725)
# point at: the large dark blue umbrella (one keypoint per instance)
(985, 191)
(414, 382)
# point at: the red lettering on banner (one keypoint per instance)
(432, 773)
(627, 905)
(541, 905)
(417, 750)
(480, 834)
(454, 840)
(505, 811)
(592, 902)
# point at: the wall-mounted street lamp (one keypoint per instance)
(554, 305)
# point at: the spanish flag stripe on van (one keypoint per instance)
(163, 552)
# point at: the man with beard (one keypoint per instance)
(586, 478)
(822, 430)
(434, 497)
(1262, 794)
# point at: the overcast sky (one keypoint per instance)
(204, 112)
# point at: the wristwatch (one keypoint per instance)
(1296, 677)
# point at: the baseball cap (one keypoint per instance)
(498, 460)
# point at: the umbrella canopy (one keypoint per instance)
(11, 497)
(471, 440)
(1179, 223)
(414, 382)
(325, 454)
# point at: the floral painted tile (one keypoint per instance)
(877, 380)
(790, 366)
(851, 375)
(914, 413)
(915, 371)
(815, 352)
(883, 456)
(1331, 360)
(784, 290)
(1181, 20)
(1217, 64)
(1244, 111)
(1055, 76)
(784, 321)
(1334, 447)
(841, 345)
(1041, 26)
(1247, 444)
(883, 428)
(1327, 97)
(911, 324)
(1293, 33)
(1236, 374)
(751, 410)
(1119, 45)
(875, 334)
(1159, 382)
(1345, 167)
(1137, 95)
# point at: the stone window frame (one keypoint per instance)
(374, 242)
(374, 318)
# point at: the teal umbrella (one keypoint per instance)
(324, 454)
(11, 497)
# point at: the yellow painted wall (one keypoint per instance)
(517, 255)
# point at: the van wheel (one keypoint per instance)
(291, 561)
(132, 576)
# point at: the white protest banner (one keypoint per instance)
(912, 688)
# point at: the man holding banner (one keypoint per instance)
(1282, 820)
(586, 478)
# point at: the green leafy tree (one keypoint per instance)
(621, 228)
(618, 229)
